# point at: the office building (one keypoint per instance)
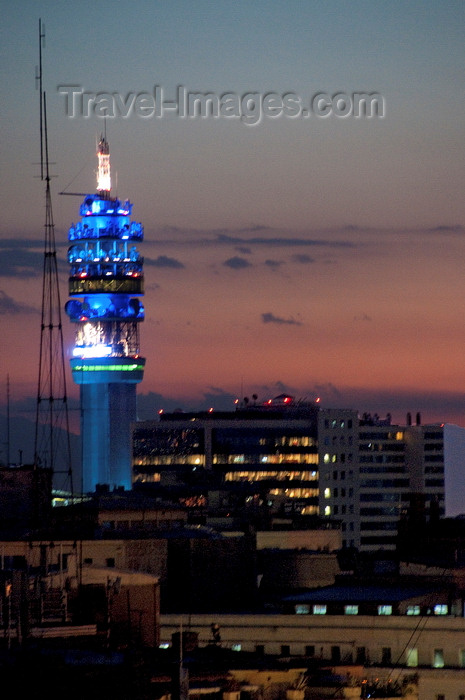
(298, 459)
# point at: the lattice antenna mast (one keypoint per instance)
(52, 447)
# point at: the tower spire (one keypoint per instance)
(103, 175)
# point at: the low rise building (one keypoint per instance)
(428, 654)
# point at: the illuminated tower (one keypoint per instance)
(106, 286)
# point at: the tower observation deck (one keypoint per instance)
(106, 290)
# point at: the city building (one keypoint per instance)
(259, 459)
(106, 286)
(338, 444)
(285, 458)
(62, 589)
(26, 498)
(427, 652)
(400, 468)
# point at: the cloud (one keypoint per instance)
(243, 239)
(237, 263)
(20, 243)
(273, 263)
(26, 257)
(219, 398)
(327, 389)
(282, 242)
(303, 258)
(9, 306)
(434, 406)
(255, 228)
(164, 261)
(444, 228)
(271, 318)
(149, 405)
(363, 317)
(19, 261)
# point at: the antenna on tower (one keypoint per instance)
(52, 437)
(103, 175)
(41, 92)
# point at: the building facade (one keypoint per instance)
(388, 647)
(401, 469)
(301, 459)
(262, 454)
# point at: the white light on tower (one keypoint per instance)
(103, 176)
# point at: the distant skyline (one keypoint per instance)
(317, 256)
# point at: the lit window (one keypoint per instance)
(327, 510)
(350, 609)
(326, 458)
(412, 658)
(438, 658)
(413, 610)
(236, 647)
(319, 609)
(301, 609)
(309, 510)
(164, 645)
(440, 609)
(384, 609)
(327, 493)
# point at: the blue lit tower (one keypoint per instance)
(106, 286)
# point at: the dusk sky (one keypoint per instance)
(321, 256)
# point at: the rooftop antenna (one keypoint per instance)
(52, 437)
(8, 420)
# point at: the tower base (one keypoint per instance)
(107, 413)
